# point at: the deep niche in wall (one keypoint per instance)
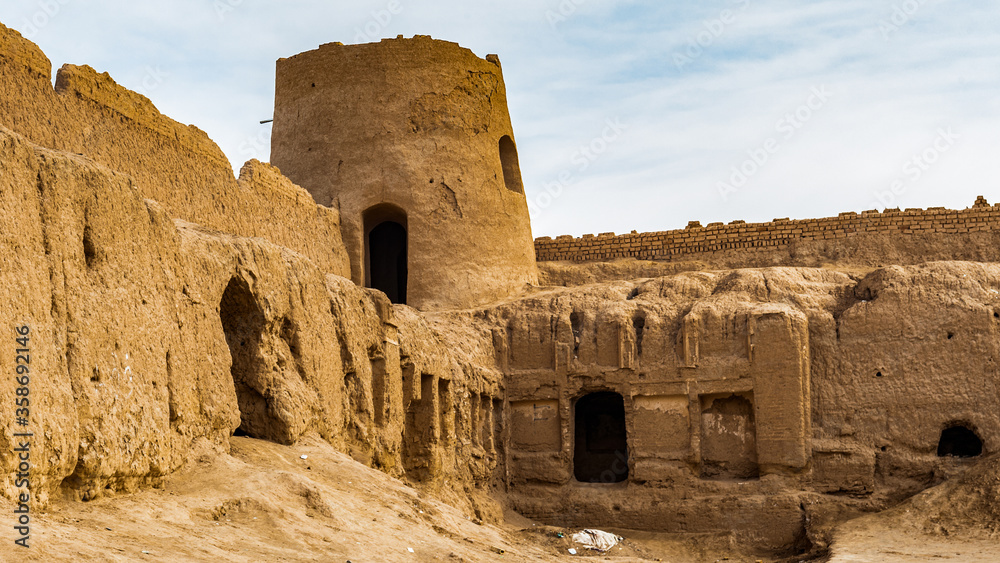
(958, 440)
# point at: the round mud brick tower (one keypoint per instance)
(411, 139)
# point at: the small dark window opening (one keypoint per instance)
(386, 251)
(959, 441)
(601, 445)
(576, 322)
(639, 324)
(511, 169)
(89, 250)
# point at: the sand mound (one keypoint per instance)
(958, 519)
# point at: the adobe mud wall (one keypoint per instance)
(178, 166)
(762, 401)
(765, 401)
(869, 238)
(155, 325)
(149, 334)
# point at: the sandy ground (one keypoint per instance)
(263, 502)
(885, 544)
(958, 520)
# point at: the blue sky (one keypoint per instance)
(628, 115)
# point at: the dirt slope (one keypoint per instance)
(958, 520)
(263, 502)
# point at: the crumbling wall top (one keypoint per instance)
(781, 232)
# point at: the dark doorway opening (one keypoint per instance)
(386, 251)
(959, 441)
(601, 443)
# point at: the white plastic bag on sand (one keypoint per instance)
(596, 539)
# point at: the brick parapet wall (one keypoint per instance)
(695, 239)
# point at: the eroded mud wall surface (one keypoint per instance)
(766, 402)
(169, 303)
(149, 334)
(178, 166)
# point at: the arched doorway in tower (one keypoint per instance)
(386, 250)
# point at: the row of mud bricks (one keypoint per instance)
(665, 245)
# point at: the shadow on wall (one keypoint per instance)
(243, 324)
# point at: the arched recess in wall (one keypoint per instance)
(600, 452)
(958, 440)
(386, 241)
(728, 437)
(511, 168)
(243, 325)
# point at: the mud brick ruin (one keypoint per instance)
(377, 285)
